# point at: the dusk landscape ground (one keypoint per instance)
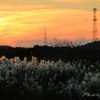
(49, 50)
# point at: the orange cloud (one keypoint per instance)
(69, 1)
(26, 28)
(10, 7)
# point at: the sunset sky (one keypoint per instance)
(22, 22)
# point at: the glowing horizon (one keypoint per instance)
(22, 23)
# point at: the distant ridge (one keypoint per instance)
(92, 45)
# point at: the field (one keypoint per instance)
(48, 80)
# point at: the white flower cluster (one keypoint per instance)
(49, 76)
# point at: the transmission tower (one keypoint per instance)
(45, 37)
(95, 33)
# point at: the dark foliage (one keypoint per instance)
(89, 52)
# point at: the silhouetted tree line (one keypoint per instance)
(89, 52)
